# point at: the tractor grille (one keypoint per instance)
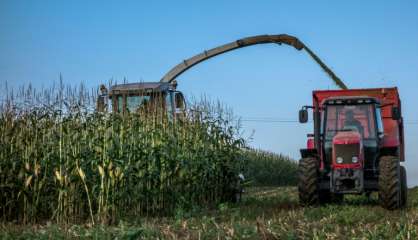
(347, 152)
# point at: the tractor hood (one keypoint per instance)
(350, 137)
(347, 146)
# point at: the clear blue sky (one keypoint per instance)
(368, 44)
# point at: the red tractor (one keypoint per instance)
(356, 148)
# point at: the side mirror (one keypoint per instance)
(396, 113)
(303, 116)
(102, 103)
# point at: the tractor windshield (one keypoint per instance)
(134, 102)
(360, 118)
(138, 102)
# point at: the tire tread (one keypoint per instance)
(389, 182)
(308, 181)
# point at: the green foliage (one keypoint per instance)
(266, 213)
(269, 169)
(61, 160)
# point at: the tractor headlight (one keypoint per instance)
(354, 159)
(340, 160)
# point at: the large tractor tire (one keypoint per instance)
(390, 182)
(308, 181)
(404, 187)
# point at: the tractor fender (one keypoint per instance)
(309, 152)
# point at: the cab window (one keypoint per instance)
(360, 118)
(379, 121)
(169, 104)
(120, 103)
(133, 102)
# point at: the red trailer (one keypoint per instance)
(356, 147)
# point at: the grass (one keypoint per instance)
(264, 213)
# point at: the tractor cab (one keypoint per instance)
(145, 98)
(351, 123)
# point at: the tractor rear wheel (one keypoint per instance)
(390, 182)
(308, 181)
(404, 187)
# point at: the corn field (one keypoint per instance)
(264, 168)
(61, 160)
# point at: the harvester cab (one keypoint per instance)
(143, 97)
(356, 148)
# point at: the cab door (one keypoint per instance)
(179, 103)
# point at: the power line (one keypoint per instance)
(268, 121)
(281, 120)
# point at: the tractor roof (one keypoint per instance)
(337, 100)
(142, 86)
(383, 95)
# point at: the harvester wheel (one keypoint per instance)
(308, 181)
(404, 187)
(390, 182)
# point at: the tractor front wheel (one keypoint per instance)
(390, 182)
(308, 181)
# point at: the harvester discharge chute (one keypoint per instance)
(245, 42)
